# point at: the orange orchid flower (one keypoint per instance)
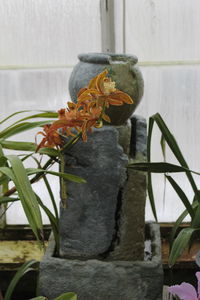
(87, 113)
(103, 92)
(103, 89)
(51, 138)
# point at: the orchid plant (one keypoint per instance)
(178, 242)
(75, 122)
(185, 291)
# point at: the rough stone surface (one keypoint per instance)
(87, 225)
(129, 242)
(99, 280)
(138, 138)
(121, 68)
(124, 132)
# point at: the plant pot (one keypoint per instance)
(122, 69)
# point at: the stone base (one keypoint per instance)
(104, 280)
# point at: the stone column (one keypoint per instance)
(104, 218)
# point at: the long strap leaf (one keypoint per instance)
(66, 176)
(160, 167)
(18, 128)
(26, 195)
(181, 195)
(181, 243)
(54, 223)
(25, 268)
(172, 143)
(149, 177)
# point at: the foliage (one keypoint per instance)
(74, 122)
(183, 239)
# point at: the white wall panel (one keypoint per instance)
(48, 32)
(33, 89)
(174, 92)
(163, 30)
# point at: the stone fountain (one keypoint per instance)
(102, 227)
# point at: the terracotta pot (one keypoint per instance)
(122, 69)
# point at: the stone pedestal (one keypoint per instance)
(102, 223)
(104, 218)
(104, 280)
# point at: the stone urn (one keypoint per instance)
(122, 69)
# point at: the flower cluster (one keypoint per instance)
(88, 112)
(186, 291)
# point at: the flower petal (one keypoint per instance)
(198, 287)
(81, 91)
(99, 81)
(106, 118)
(122, 96)
(184, 291)
(92, 83)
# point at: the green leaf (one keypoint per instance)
(66, 176)
(49, 151)
(25, 268)
(12, 115)
(163, 146)
(150, 186)
(196, 219)
(8, 172)
(180, 244)
(23, 146)
(53, 220)
(181, 195)
(172, 143)
(180, 220)
(12, 130)
(28, 146)
(26, 195)
(39, 298)
(45, 114)
(67, 296)
(3, 160)
(7, 199)
(51, 195)
(176, 226)
(151, 195)
(159, 167)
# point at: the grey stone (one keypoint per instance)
(129, 244)
(99, 280)
(139, 137)
(87, 225)
(129, 241)
(124, 132)
(122, 70)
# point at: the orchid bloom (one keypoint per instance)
(186, 291)
(103, 90)
(51, 138)
(87, 113)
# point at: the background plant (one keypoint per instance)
(183, 239)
